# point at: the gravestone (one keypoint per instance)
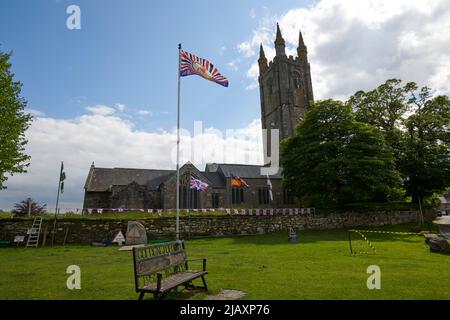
(136, 233)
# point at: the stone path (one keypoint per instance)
(226, 294)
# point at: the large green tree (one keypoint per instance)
(416, 127)
(334, 159)
(425, 160)
(13, 123)
(384, 107)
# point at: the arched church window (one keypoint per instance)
(269, 85)
(296, 80)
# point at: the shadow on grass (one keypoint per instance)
(182, 293)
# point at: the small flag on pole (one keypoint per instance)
(62, 177)
(191, 64)
(238, 182)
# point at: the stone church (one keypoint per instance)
(285, 90)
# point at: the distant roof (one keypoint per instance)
(99, 179)
(241, 170)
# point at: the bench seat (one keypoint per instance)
(174, 280)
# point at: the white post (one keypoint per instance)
(178, 147)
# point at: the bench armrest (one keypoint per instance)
(203, 259)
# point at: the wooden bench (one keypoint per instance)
(162, 267)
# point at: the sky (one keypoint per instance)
(107, 93)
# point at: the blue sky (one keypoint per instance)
(107, 93)
(126, 52)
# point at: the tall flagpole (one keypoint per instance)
(57, 203)
(178, 146)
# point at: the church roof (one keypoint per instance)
(241, 170)
(216, 179)
(99, 179)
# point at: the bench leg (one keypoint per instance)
(189, 285)
(141, 296)
(205, 286)
(160, 296)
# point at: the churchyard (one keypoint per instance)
(318, 266)
(330, 211)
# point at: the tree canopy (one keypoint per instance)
(28, 206)
(13, 123)
(335, 159)
(416, 127)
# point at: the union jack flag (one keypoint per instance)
(191, 64)
(198, 184)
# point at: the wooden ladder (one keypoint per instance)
(34, 232)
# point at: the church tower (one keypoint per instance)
(285, 88)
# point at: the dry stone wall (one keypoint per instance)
(84, 231)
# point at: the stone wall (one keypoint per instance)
(84, 231)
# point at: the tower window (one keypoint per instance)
(296, 82)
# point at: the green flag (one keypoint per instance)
(62, 177)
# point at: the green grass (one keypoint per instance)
(319, 266)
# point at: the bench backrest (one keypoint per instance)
(166, 258)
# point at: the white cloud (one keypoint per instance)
(119, 107)
(250, 47)
(110, 141)
(101, 110)
(234, 64)
(34, 112)
(355, 45)
(144, 113)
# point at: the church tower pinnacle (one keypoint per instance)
(302, 52)
(262, 61)
(285, 88)
(280, 47)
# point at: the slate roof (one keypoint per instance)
(99, 179)
(241, 170)
(215, 178)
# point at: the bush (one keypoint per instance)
(28, 206)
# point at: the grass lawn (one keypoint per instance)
(319, 266)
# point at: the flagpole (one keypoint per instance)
(57, 203)
(178, 147)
